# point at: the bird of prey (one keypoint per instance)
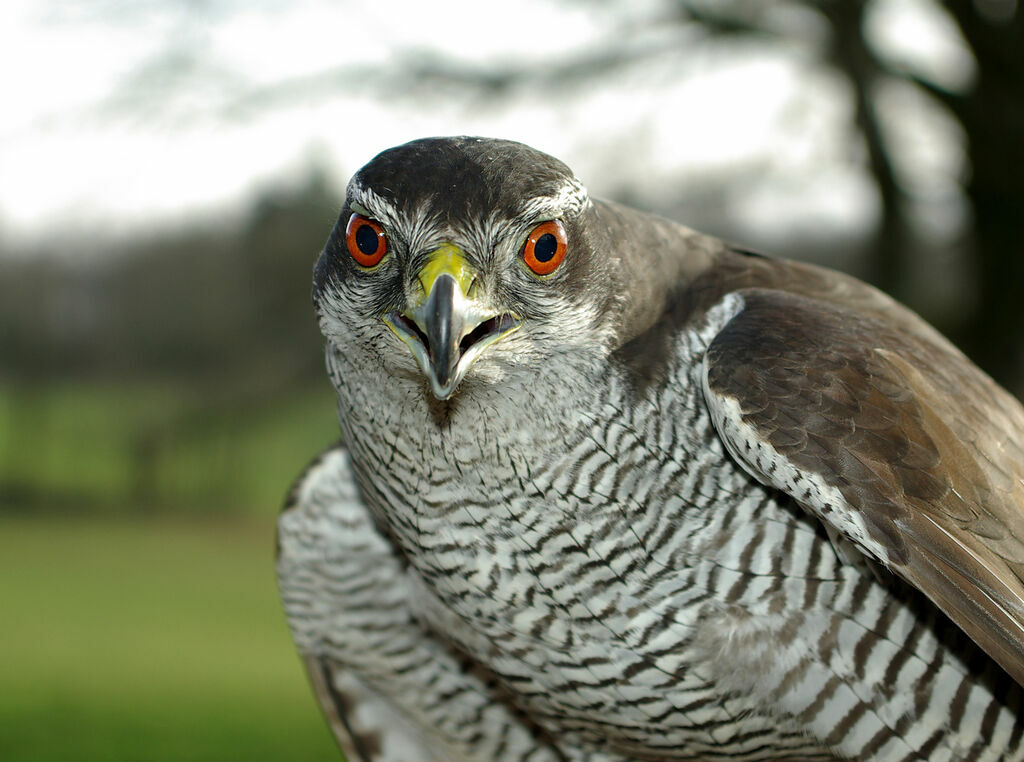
(610, 489)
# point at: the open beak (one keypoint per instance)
(444, 327)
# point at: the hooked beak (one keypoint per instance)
(445, 328)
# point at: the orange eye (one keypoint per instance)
(366, 241)
(545, 247)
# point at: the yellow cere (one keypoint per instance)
(446, 259)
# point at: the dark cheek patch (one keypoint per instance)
(581, 280)
(373, 294)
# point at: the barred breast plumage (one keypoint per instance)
(646, 505)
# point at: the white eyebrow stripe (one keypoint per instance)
(570, 199)
(418, 227)
(421, 228)
(373, 203)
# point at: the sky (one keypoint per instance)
(124, 115)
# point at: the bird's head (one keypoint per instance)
(462, 261)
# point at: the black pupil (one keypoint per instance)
(366, 240)
(545, 248)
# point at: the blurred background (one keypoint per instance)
(169, 171)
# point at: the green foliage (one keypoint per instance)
(148, 640)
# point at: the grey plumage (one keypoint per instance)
(669, 501)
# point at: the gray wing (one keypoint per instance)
(893, 439)
(391, 690)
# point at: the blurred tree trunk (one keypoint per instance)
(848, 52)
(992, 114)
(887, 266)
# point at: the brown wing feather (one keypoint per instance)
(916, 439)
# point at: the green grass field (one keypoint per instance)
(80, 447)
(148, 640)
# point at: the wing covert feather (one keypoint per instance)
(894, 439)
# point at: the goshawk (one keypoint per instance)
(610, 489)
